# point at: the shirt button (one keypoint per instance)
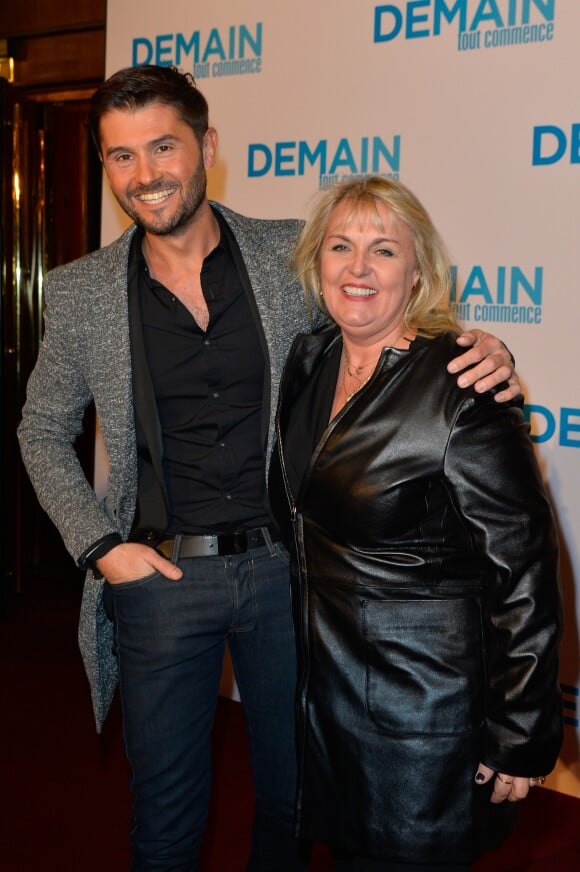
(207, 343)
(228, 497)
(215, 395)
(222, 444)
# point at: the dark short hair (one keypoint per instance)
(135, 87)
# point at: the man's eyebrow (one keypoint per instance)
(121, 149)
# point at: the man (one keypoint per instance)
(178, 331)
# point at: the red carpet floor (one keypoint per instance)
(65, 800)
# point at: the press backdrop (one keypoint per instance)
(473, 104)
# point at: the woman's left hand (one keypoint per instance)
(490, 362)
(510, 787)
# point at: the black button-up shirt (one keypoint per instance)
(208, 387)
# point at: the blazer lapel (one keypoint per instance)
(147, 424)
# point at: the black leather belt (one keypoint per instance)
(218, 545)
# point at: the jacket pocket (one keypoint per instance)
(423, 662)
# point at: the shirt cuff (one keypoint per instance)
(98, 549)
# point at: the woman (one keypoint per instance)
(428, 607)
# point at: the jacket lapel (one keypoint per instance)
(147, 424)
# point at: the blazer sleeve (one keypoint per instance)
(52, 418)
(497, 489)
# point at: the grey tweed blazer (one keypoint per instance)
(86, 355)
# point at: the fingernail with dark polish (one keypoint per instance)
(480, 777)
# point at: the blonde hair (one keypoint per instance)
(428, 312)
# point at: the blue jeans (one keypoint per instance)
(170, 641)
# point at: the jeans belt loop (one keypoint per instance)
(176, 547)
(268, 540)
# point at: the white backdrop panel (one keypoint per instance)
(458, 125)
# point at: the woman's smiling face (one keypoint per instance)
(367, 271)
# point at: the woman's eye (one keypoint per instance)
(385, 252)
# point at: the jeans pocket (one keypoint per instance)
(119, 586)
(280, 552)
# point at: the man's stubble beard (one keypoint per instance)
(195, 196)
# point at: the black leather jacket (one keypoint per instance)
(428, 607)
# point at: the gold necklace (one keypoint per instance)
(355, 371)
(359, 387)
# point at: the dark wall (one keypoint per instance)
(36, 16)
(55, 44)
(51, 215)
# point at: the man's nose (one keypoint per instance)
(145, 170)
